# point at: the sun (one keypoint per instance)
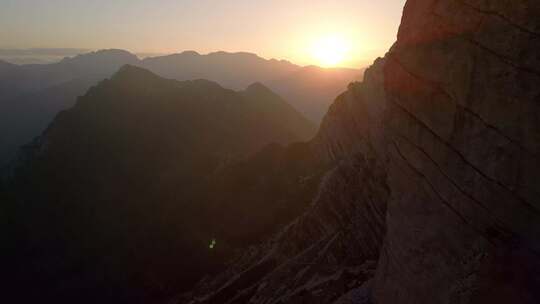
(330, 51)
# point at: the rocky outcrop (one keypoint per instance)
(435, 174)
(462, 87)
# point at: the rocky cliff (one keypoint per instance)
(462, 85)
(433, 192)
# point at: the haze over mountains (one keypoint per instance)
(419, 187)
(135, 158)
(433, 192)
(38, 55)
(30, 95)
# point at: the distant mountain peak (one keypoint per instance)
(129, 68)
(112, 52)
(106, 54)
(6, 64)
(259, 89)
(257, 86)
(243, 54)
(190, 53)
(132, 72)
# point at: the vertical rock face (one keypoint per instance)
(462, 122)
(435, 174)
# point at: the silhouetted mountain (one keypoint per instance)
(250, 198)
(101, 63)
(432, 193)
(22, 118)
(31, 95)
(25, 89)
(278, 112)
(38, 55)
(5, 65)
(10, 78)
(112, 204)
(420, 187)
(232, 70)
(309, 89)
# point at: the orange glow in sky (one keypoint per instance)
(347, 33)
(330, 51)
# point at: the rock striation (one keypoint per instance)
(432, 195)
(462, 88)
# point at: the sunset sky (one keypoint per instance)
(333, 33)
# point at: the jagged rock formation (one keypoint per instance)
(463, 221)
(436, 174)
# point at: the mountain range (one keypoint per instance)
(432, 192)
(135, 172)
(31, 95)
(419, 187)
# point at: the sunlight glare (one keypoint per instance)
(330, 51)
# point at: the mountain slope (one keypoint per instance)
(232, 70)
(309, 89)
(22, 118)
(10, 76)
(101, 63)
(278, 112)
(432, 197)
(332, 249)
(26, 90)
(32, 95)
(114, 196)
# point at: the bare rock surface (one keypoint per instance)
(462, 90)
(435, 174)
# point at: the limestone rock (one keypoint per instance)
(442, 135)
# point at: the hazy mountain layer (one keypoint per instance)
(420, 186)
(31, 95)
(112, 204)
(309, 89)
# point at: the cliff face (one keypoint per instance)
(463, 85)
(433, 196)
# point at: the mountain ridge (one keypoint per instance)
(23, 84)
(433, 160)
(134, 160)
